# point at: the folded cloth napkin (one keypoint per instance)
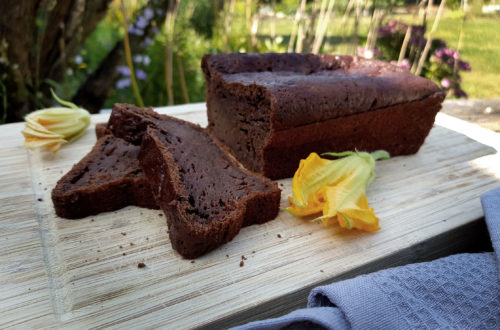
(461, 291)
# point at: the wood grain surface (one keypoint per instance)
(84, 273)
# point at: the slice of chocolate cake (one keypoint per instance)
(108, 178)
(101, 129)
(205, 194)
(272, 110)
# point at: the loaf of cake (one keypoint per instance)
(206, 196)
(108, 178)
(101, 129)
(272, 110)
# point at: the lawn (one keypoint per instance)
(481, 48)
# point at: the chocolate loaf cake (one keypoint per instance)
(272, 110)
(206, 195)
(101, 129)
(108, 178)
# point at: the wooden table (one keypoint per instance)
(61, 273)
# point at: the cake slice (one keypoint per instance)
(108, 178)
(101, 129)
(272, 110)
(206, 196)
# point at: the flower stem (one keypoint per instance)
(128, 57)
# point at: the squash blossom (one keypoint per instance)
(52, 127)
(336, 188)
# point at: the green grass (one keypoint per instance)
(481, 48)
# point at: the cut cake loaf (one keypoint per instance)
(272, 110)
(108, 178)
(101, 129)
(206, 196)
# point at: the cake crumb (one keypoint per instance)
(141, 265)
(321, 270)
(253, 251)
(243, 258)
(279, 235)
(192, 261)
(147, 238)
(124, 234)
(132, 244)
(242, 263)
(92, 220)
(227, 255)
(160, 214)
(124, 254)
(121, 247)
(98, 250)
(40, 199)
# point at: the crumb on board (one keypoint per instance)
(227, 255)
(243, 258)
(121, 247)
(40, 199)
(92, 220)
(124, 254)
(279, 235)
(124, 234)
(321, 270)
(242, 263)
(141, 265)
(160, 214)
(192, 261)
(132, 244)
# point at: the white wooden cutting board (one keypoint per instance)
(84, 273)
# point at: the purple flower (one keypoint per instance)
(123, 70)
(148, 41)
(141, 22)
(462, 65)
(149, 13)
(135, 31)
(138, 58)
(405, 64)
(140, 74)
(122, 83)
(459, 93)
(78, 59)
(146, 60)
(445, 83)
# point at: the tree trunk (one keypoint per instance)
(37, 53)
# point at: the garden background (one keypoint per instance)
(148, 52)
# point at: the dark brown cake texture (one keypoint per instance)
(206, 195)
(272, 110)
(108, 178)
(101, 129)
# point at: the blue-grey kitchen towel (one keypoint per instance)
(461, 291)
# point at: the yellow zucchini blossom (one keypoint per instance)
(336, 188)
(52, 127)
